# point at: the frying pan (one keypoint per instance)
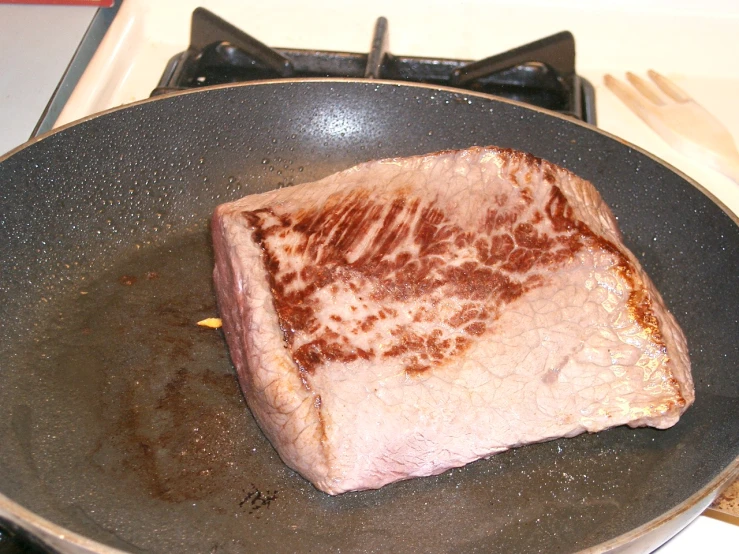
(121, 422)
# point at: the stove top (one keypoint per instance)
(541, 73)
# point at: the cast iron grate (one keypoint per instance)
(541, 73)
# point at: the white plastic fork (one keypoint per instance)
(679, 120)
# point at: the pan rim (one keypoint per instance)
(690, 508)
(697, 502)
(44, 528)
(375, 82)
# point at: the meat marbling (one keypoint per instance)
(408, 316)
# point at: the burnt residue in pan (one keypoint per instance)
(181, 444)
(174, 412)
(158, 417)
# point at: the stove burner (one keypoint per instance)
(541, 73)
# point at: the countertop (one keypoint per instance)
(37, 43)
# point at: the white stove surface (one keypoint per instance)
(693, 43)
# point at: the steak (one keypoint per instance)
(408, 316)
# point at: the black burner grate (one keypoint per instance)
(541, 73)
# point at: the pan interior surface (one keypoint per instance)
(121, 419)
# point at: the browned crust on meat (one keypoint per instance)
(509, 249)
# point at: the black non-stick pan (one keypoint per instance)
(121, 422)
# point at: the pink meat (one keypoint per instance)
(408, 316)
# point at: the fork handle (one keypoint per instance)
(724, 158)
(730, 168)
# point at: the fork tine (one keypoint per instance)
(645, 88)
(668, 87)
(635, 103)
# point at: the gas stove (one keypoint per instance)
(540, 73)
(525, 52)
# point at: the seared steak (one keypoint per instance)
(407, 316)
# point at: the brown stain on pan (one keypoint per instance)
(181, 444)
(174, 413)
